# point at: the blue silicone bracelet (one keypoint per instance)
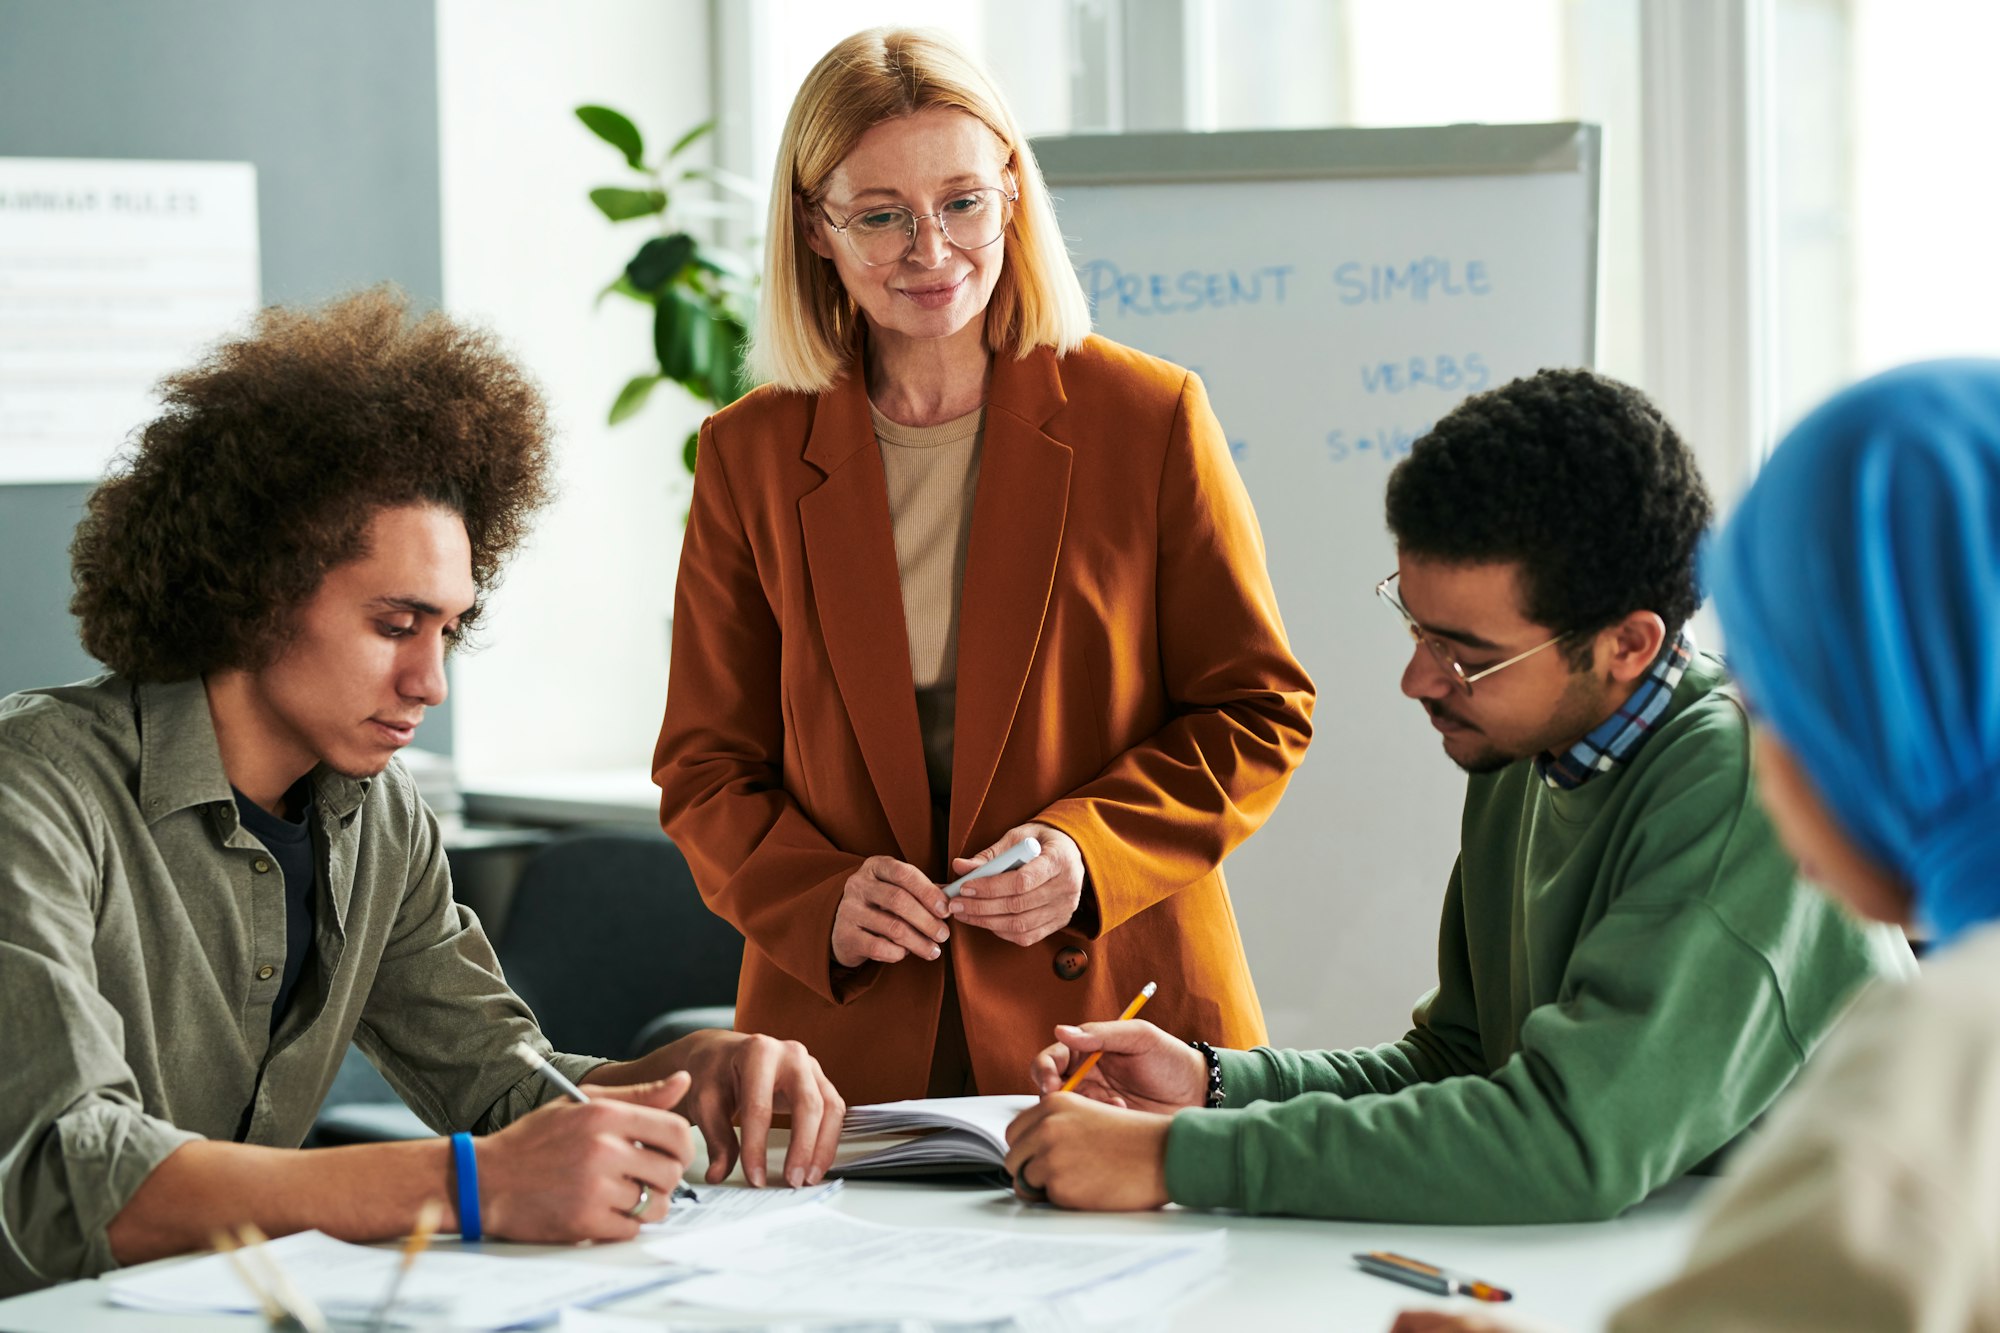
(468, 1186)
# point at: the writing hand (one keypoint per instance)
(571, 1171)
(1141, 1066)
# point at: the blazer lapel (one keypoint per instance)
(1017, 531)
(850, 550)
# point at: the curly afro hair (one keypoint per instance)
(1577, 477)
(269, 460)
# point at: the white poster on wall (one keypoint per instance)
(112, 274)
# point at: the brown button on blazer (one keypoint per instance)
(1122, 676)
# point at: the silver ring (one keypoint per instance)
(638, 1209)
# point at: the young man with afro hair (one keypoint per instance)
(214, 874)
(1628, 973)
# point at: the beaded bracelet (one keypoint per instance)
(1214, 1063)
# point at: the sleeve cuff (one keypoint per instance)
(532, 1090)
(108, 1151)
(1247, 1076)
(1201, 1159)
(571, 1067)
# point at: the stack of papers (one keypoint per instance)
(824, 1262)
(598, 1321)
(348, 1282)
(927, 1136)
(720, 1205)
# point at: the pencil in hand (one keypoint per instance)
(1090, 1061)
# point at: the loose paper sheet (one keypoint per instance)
(722, 1205)
(825, 1262)
(460, 1288)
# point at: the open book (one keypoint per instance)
(927, 1136)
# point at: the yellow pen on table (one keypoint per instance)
(1429, 1277)
(1090, 1061)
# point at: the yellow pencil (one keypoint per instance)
(428, 1219)
(255, 1248)
(1090, 1061)
(225, 1245)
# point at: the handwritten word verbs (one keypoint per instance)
(1454, 374)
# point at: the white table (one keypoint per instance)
(1281, 1273)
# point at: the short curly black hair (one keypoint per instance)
(268, 462)
(1577, 477)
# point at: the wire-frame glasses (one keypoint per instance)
(1438, 649)
(970, 220)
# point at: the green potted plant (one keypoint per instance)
(702, 293)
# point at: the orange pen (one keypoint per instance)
(1090, 1061)
(1417, 1273)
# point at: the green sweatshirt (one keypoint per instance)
(1628, 975)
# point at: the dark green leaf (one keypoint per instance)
(688, 450)
(623, 205)
(633, 396)
(689, 139)
(623, 286)
(615, 130)
(660, 261)
(681, 339)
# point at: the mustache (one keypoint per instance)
(1436, 709)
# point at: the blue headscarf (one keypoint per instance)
(1859, 589)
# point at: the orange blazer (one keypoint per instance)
(1122, 676)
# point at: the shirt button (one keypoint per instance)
(264, 972)
(261, 865)
(1071, 962)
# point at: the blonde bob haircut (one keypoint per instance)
(808, 328)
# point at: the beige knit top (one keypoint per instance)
(933, 474)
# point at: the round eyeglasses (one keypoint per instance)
(1440, 651)
(969, 220)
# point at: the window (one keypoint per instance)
(1886, 115)
(1025, 44)
(1292, 64)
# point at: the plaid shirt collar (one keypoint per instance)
(1618, 737)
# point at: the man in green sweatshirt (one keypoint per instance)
(1628, 973)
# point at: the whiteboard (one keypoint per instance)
(1338, 291)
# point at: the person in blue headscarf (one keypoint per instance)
(1859, 588)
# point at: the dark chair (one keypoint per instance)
(607, 933)
(611, 945)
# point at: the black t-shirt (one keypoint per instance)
(290, 843)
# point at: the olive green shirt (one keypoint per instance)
(142, 943)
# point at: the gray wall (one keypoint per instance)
(336, 105)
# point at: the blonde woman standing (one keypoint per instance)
(963, 574)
